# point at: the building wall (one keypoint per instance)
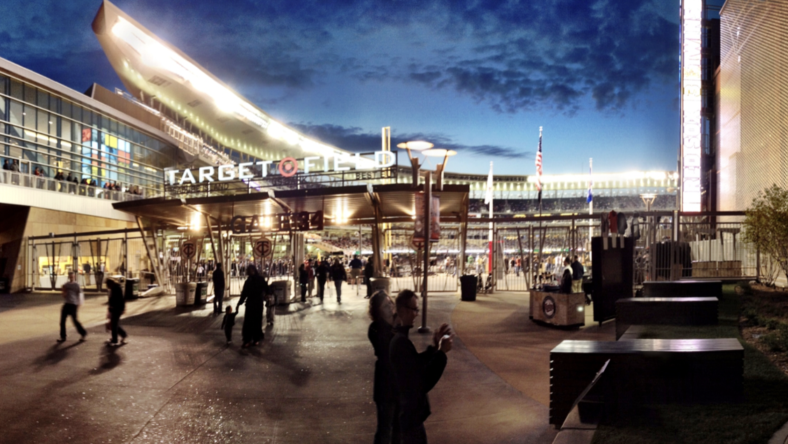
(753, 151)
(40, 222)
(42, 128)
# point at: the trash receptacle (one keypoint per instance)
(281, 292)
(201, 293)
(468, 287)
(132, 290)
(379, 283)
(184, 293)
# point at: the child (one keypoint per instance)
(228, 322)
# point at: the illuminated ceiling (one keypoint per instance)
(150, 67)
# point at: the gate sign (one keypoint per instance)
(263, 247)
(188, 249)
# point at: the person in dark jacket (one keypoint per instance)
(577, 276)
(253, 294)
(415, 373)
(338, 274)
(565, 283)
(380, 333)
(218, 288)
(369, 273)
(303, 280)
(322, 276)
(117, 305)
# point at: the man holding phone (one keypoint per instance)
(415, 373)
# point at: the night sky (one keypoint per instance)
(476, 76)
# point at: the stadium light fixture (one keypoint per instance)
(439, 169)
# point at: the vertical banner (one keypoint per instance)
(691, 31)
(435, 219)
(418, 225)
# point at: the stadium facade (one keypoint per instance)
(175, 115)
(753, 101)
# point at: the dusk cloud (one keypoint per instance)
(357, 140)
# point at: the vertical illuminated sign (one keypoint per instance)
(691, 17)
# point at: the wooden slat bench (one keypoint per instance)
(665, 311)
(647, 371)
(683, 288)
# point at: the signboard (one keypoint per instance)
(435, 219)
(301, 221)
(263, 247)
(287, 167)
(188, 249)
(691, 87)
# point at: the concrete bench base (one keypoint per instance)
(665, 311)
(683, 288)
(647, 371)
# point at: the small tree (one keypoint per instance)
(766, 224)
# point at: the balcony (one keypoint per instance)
(26, 180)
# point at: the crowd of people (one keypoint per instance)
(110, 185)
(662, 202)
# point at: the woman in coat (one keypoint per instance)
(253, 294)
(381, 330)
(117, 305)
(303, 281)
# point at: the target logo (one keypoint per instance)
(288, 167)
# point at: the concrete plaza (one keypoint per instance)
(310, 381)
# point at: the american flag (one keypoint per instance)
(539, 166)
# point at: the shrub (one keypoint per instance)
(773, 341)
(772, 324)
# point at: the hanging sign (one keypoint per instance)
(188, 249)
(301, 221)
(263, 247)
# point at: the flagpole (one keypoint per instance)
(490, 233)
(590, 202)
(539, 182)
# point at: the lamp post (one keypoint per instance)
(648, 199)
(437, 152)
(440, 168)
(418, 145)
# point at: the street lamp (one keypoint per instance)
(440, 168)
(417, 145)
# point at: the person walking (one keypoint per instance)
(310, 286)
(72, 295)
(415, 373)
(322, 275)
(252, 295)
(218, 288)
(355, 269)
(338, 275)
(228, 322)
(380, 333)
(303, 280)
(369, 273)
(117, 305)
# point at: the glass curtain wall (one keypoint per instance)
(45, 131)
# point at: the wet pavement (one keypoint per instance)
(176, 381)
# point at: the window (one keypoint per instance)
(16, 90)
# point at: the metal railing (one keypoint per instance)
(27, 180)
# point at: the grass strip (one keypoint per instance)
(754, 420)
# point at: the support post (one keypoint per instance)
(154, 264)
(427, 234)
